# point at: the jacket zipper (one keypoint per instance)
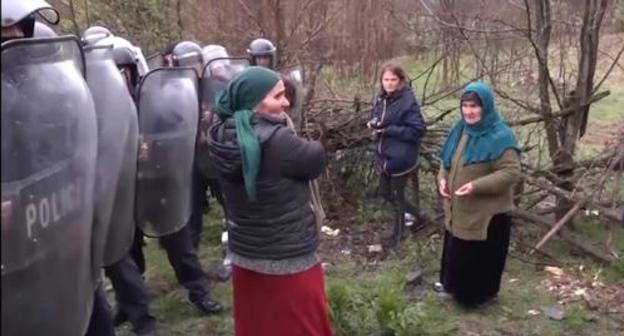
(383, 115)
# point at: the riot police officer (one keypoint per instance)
(201, 204)
(190, 54)
(180, 251)
(184, 54)
(48, 173)
(218, 71)
(131, 294)
(262, 52)
(118, 137)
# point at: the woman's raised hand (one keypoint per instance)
(443, 188)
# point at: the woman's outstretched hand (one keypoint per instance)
(465, 190)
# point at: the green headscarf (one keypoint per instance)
(488, 139)
(242, 94)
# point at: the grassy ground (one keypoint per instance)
(368, 294)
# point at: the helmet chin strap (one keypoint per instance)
(28, 26)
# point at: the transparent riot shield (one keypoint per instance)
(48, 171)
(113, 230)
(168, 116)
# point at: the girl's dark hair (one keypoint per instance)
(290, 90)
(396, 70)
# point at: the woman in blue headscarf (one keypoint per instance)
(480, 164)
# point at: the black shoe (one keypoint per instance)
(209, 306)
(119, 317)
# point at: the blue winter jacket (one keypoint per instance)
(397, 147)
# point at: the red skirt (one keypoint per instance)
(275, 305)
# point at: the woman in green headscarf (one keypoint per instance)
(265, 170)
(480, 164)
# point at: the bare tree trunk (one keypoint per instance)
(280, 31)
(576, 122)
(589, 38)
(543, 28)
(179, 19)
(74, 19)
(87, 13)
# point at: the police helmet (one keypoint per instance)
(214, 51)
(14, 11)
(125, 53)
(261, 47)
(94, 34)
(187, 53)
(22, 14)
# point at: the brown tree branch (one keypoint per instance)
(560, 114)
(581, 244)
(560, 224)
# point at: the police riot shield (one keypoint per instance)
(117, 123)
(168, 105)
(154, 61)
(294, 72)
(215, 77)
(48, 171)
(296, 79)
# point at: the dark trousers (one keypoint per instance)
(101, 323)
(392, 188)
(199, 206)
(136, 251)
(185, 262)
(131, 294)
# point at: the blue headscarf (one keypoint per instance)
(487, 140)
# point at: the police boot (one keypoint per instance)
(208, 306)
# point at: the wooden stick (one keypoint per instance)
(568, 236)
(561, 223)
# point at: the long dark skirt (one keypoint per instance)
(472, 270)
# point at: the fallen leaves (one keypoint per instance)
(569, 288)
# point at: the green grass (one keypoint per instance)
(176, 316)
(371, 298)
(611, 108)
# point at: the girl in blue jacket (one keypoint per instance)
(398, 127)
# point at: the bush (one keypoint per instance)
(380, 307)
